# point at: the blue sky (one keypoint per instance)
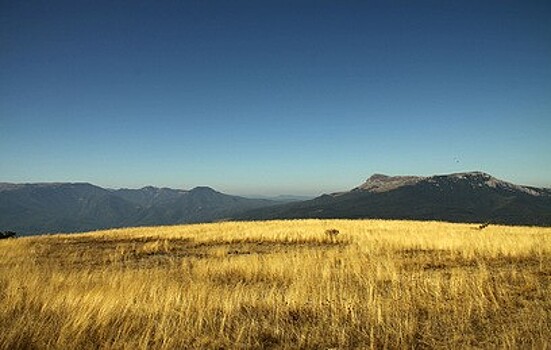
(272, 97)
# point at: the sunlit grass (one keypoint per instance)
(279, 284)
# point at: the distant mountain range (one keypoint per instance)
(74, 207)
(464, 197)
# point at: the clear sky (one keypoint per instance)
(273, 97)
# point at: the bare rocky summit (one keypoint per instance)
(382, 183)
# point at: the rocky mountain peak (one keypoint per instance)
(150, 189)
(203, 190)
(379, 177)
(478, 179)
(383, 183)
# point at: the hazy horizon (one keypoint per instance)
(250, 192)
(271, 97)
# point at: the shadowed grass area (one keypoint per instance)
(279, 284)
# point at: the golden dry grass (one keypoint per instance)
(279, 284)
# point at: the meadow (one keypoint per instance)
(377, 284)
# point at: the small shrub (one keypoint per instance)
(483, 226)
(332, 232)
(7, 234)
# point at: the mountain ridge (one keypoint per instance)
(458, 197)
(382, 183)
(75, 207)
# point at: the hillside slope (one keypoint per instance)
(62, 207)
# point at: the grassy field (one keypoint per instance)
(279, 284)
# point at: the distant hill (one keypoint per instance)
(201, 204)
(61, 207)
(74, 207)
(462, 197)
